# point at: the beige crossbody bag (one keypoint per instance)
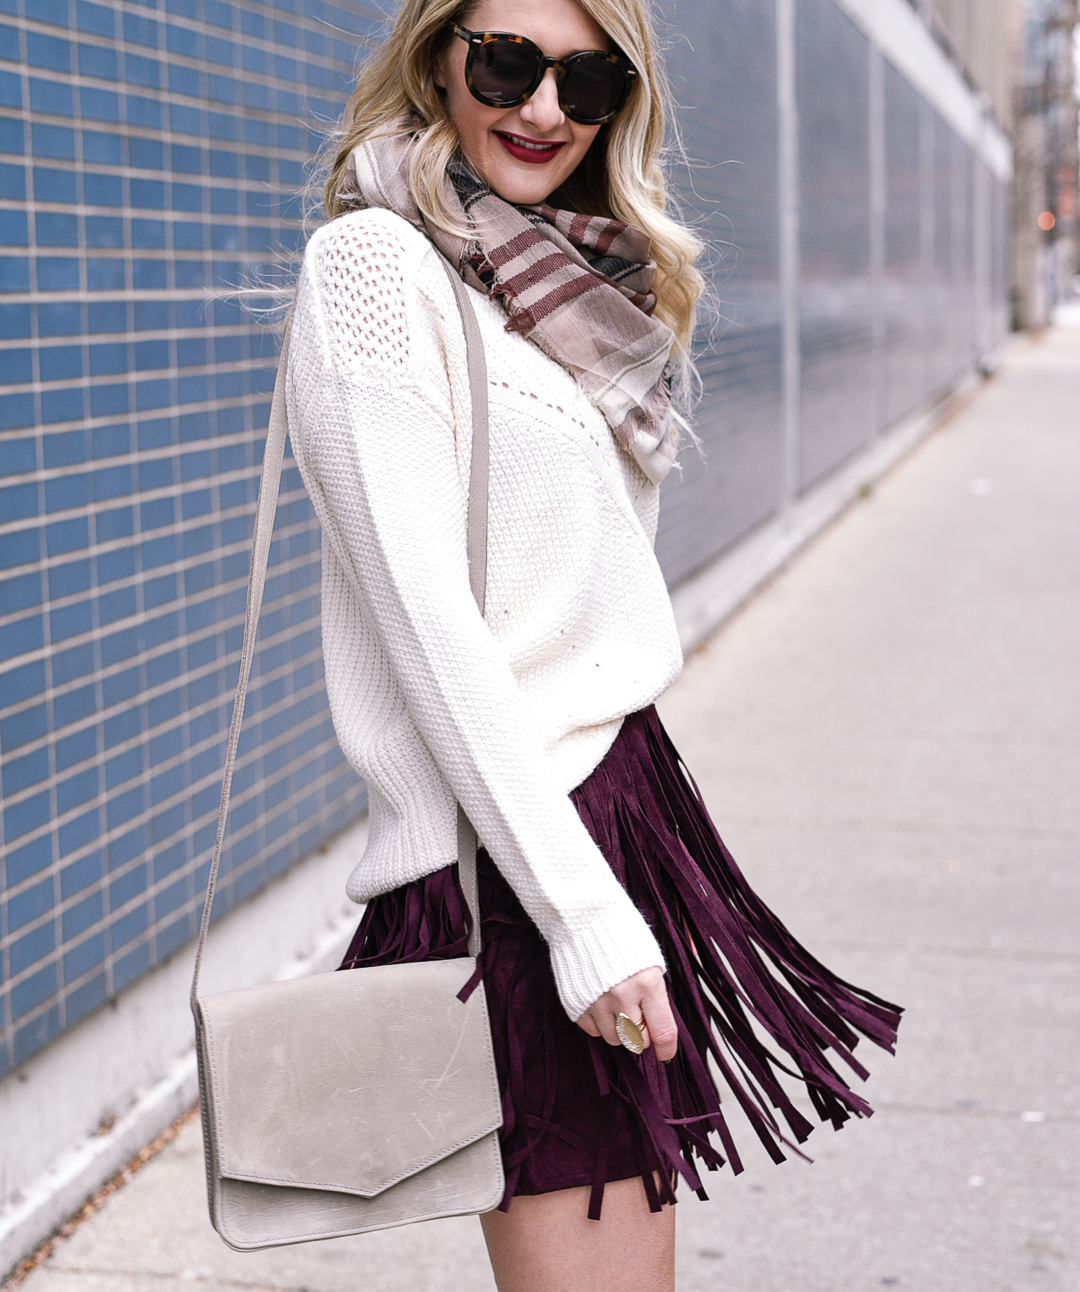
(358, 1100)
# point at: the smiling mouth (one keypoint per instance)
(535, 151)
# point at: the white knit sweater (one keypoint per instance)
(430, 703)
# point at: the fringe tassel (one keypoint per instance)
(747, 996)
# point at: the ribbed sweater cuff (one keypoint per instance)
(596, 959)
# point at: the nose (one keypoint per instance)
(542, 110)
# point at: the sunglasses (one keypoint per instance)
(503, 70)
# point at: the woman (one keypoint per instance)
(520, 139)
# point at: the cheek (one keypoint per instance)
(583, 139)
(456, 98)
(472, 120)
(469, 117)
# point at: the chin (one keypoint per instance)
(520, 183)
(526, 195)
(523, 190)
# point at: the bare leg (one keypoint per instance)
(548, 1244)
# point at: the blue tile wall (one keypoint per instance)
(149, 154)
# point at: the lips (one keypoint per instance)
(534, 151)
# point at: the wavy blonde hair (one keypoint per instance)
(622, 175)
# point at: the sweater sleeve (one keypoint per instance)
(380, 462)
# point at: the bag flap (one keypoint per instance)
(348, 1081)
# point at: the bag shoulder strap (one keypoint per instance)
(476, 548)
(273, 457)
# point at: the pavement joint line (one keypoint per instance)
(98, 1200)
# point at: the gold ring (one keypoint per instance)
(630, 1033)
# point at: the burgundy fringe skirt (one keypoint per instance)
(745, 994)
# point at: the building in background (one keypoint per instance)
(1046, 254)
(982, 37)
(850, 165)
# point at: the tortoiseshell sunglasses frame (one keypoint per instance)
(477, 39)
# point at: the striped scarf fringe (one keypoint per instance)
(579, 287)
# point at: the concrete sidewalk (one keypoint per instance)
(887, 737)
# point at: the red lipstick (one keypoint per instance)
(534, 151)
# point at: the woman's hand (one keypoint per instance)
(644, 996)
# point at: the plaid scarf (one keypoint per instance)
(578, 286)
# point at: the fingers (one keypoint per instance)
(602, 1018)
(585, 1022)
(642, 997)
(663, 1032)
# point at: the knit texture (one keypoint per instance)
(432, 705)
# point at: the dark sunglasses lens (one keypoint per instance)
(503, 70)
(593, 88)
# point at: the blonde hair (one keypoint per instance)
(622, 175)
